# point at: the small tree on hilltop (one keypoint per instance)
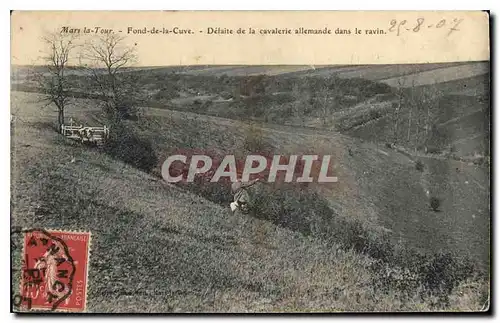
(53, 81)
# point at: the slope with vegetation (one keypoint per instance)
(158, 247)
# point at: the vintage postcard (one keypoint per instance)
(250, 161)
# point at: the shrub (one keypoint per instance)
(374, 88)
(126, 145)
(479, 161)
(201, 107)
(433, 150)
(219, 193)
(419, 166)
(442, 272)
(395, 267)
(434, 275)
(435, 203)
(166, 93)
(254, 140)
(289, 207)
(374, 114)
(226, 95)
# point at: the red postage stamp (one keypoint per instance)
(54, 271)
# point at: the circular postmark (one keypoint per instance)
(47, 271)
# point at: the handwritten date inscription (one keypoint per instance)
(400, 26)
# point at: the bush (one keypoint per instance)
(442, 272)
(126, 145)
(434, 275)
(166, 93)
(225, 95)
(374, 114)
(254, 140)
(419, 166)
(219, 193)
(433, 150)
(289, 207)
(374, 88)
(479, 161)
(435, 203)
(201, 107)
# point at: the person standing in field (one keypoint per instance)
(241, 196)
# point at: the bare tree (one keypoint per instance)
(327, 99)
(429, 99)
(301, 103)
(424, 100)
(322, 97)
(419, 105)
(397, 108)
(53, 81)
(410, 108)
(105, 58)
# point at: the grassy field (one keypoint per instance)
(370, 72)
(439, 75)
(158, 247)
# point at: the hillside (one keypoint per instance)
(188, 106)
(376, 221)
(189, 254)
(377, 185)
(357, 100)
(460, 117)
(157, 248)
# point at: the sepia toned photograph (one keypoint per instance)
(141, 187)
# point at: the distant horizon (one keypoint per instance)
(267, 65)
